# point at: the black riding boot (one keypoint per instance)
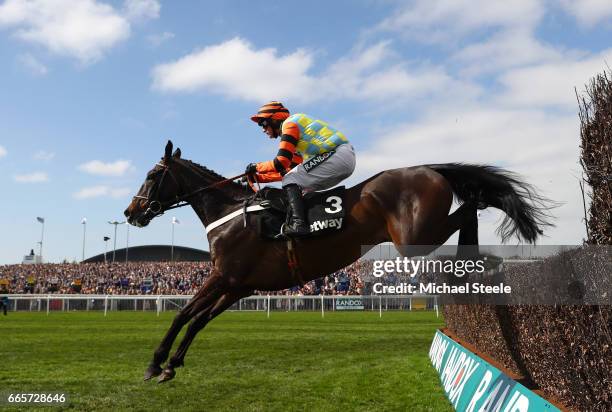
(297, 216)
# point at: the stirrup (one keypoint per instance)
(281, 234)
(284, 235)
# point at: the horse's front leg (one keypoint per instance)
(206, 296)
(198, 323)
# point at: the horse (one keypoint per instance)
(406, 206)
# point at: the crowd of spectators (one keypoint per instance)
(154, 278)
(134, 278)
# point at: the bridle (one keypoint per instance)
(156, 208)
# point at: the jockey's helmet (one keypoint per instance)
(273, 111)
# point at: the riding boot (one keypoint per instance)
(297, 225)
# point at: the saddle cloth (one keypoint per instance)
(325, 211)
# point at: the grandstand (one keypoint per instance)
(150, 277)
(153, 253)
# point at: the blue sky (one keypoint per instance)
(91, 90)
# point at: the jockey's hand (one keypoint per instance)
(251, 169)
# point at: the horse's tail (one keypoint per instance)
(526, 211)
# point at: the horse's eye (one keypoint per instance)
(152, 174)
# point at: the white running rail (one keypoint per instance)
(263, 303)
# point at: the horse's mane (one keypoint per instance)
(234, 189)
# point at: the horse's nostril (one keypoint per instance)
(126, 213)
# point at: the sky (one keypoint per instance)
(91, 90)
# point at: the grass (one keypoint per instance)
(241, 361)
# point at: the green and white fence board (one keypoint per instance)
(472, 384)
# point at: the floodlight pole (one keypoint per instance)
(115, 222)
(42, 237)
(127, 241)
(172, 248)
(174, 222)
(84, 223)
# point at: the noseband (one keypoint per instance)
(156, 208)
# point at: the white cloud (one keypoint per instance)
(32, 65)
(542, 147)
(156, 40)
(376, 72)
(446, 20)
(36, 177)
(237, 70)
(96, 167)
(476, 134)
(83, 29)
(101, 191)
(397, 82)
(142, 9)
(588, 12)
(44, 155)
(3, 151)
(525, 117)
(551, 84)
(503, 50)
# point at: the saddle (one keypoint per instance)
(324, 210)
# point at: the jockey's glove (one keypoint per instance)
(251, 169)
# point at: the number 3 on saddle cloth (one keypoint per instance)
(325, 212)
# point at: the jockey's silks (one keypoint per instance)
(316, 136)
(302, 137)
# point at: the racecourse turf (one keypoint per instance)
(353, 361)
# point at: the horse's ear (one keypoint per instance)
(177, 154)
(168, 151)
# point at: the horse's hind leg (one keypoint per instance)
(198, 323)
(429, 232)
(206, 296)
(464, 220)
(468, 234)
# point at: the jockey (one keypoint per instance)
(311, 156)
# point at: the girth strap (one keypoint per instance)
(232, 215)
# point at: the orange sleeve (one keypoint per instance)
(266, 167)
(285, 158)
(269, 177)
(291, 129)
(297, 159)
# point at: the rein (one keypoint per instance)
(157, 208)
(211, 186)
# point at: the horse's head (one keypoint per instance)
(159, 191)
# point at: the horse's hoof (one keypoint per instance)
(166, 375)
(152, 371)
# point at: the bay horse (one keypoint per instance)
(407, 206)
